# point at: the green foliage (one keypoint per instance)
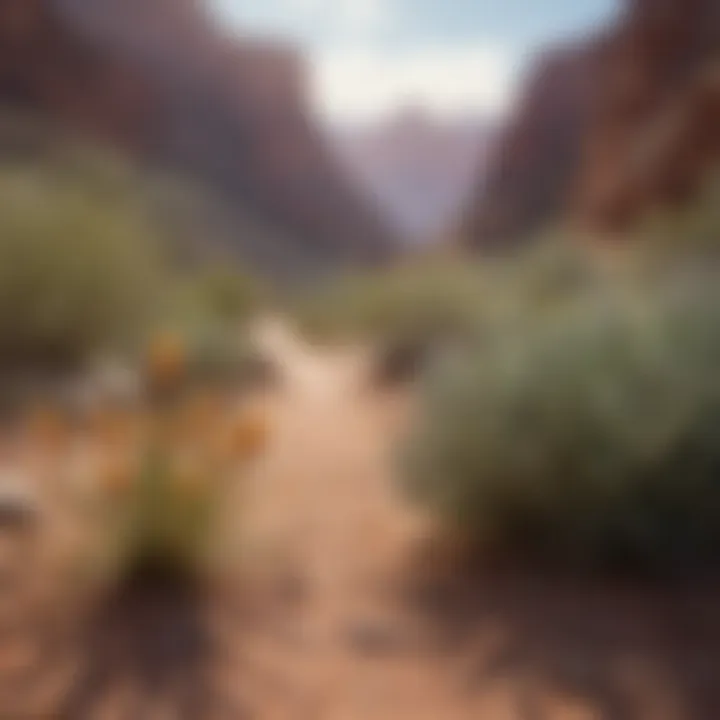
(686, 235)
(589, 437)
(404, 302)
(163, 528)
(222, 358)
(224, 296)
(79, 270)
(196, 225)
(96, 254)
(450, 297)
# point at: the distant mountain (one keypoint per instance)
(609, 128)
(419, 170)
(159, 80)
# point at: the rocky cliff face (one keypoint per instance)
(532, 168)
(47, 70)
(627, 121)
(656, 133)
(157, 78)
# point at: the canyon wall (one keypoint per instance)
(160, 80)
(621, 123)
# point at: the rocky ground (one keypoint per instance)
(343, 614)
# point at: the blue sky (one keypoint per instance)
(370, 57)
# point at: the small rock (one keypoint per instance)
(18, 507)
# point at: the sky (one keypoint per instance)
(371, 58)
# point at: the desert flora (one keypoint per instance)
(225, 294)
(589, 438)
(214, 356)
(152, 482)
(95, 252)
(407, 302)
(79, 272)
(428, 304)
(682, 235)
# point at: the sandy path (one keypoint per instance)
(347, 627)
(324, 497)
(520, 649)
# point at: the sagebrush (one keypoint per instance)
(590, 438)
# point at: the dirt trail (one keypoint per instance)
(337, 619)
(324, 498)
(361, 646)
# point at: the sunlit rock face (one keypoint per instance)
(611, 127)
(656, 134)
(160, 79)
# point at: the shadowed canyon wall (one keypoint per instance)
(159, 79)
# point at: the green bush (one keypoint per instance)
(453, 297)
(157, 496)
(96, 253)
(590, 438)
(79, 271)
(225, 296)
(686, 234)
(226, 359)
(409, 302)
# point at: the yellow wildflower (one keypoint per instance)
(114, 430)
(189, 476)
(47, 430)
(166, 360)
(198, 418)
(249, 434)
(118, 473)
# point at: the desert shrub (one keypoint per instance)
(688, 233)
(413, 314)
(221, 296)
(196, 225)
(153, 488)
(401, 301)
(557, 270)
(225, 358)
(168, 517)
(230, 294)
(96, 253)
(79, 272)
(453, 297)
(588, 438)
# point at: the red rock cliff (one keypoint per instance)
(607, 130)
(157, 78)
(656, 134)
(531, 171)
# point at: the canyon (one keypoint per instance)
(162, 82)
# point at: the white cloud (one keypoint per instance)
(360, 71)
(366, 14)
(315, 21)
(363, 83)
